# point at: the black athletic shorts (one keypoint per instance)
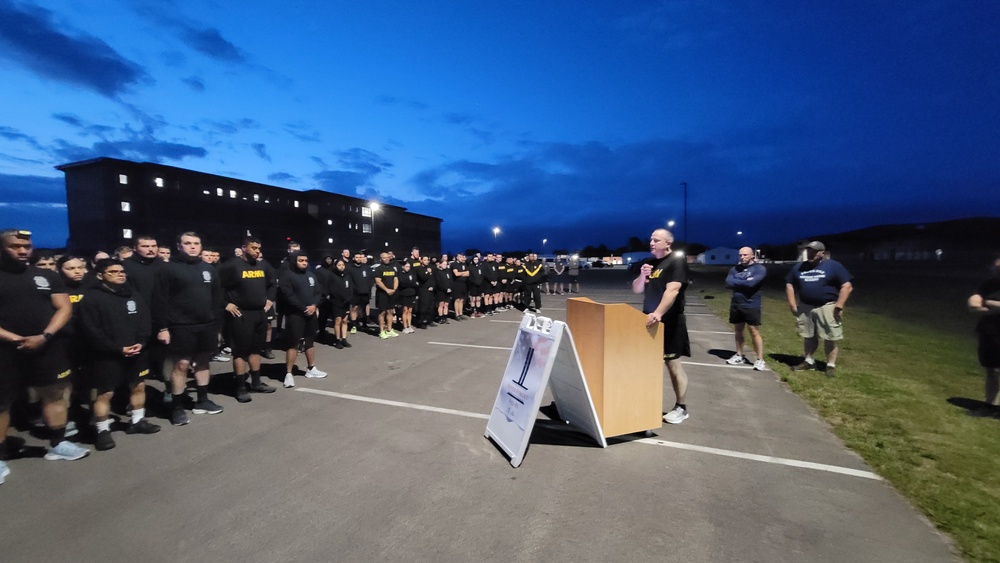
(408, 301)
(361, 299)
(338, 311)
(459, 291)
(109, 372)
(743, 314)
(48, 366)
(475, 290)
(442, 296)
(188, 341)
(989, 348)
(384, 302)
(246, 334)
(675, 337)
(299, 327)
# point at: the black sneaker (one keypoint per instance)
(142, 427)
(242, 395)
(267, 354)
(262, 388)
(104, 441)
(345, 343)
(206, 407)
(338, 344)
(179, 417)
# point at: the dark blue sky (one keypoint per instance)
(572, 121)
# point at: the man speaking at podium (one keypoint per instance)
(662, 281)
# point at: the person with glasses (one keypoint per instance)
(115, 322)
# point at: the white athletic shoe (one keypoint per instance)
(759, 365)
(676, 416)
(289, 381)
(737, 360)
(315, 373)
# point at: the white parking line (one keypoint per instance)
(499, 321)
(389, 403)
(649, 441)
(710, 332)
(763, 458)
(723, 365)
(472, 345)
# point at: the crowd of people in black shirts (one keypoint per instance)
(75, 331)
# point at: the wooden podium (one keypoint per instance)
(622, 362)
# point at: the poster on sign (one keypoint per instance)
(539, 346)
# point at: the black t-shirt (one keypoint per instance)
(989, 290)
(672, 268)
(26, 299)
(386, 273)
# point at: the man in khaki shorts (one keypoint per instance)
(823, 286)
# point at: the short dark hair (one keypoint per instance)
(16, 233)
(41, 254)
(250, 240)
(145, 237)
(104, 263)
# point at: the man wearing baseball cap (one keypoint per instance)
(823, 286)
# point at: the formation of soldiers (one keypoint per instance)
(74, 332)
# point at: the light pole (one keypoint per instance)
(544, 240)
(496, 231)
(670, 224)
(739, 239)
(374, 207)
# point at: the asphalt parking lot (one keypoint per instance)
(385, 460)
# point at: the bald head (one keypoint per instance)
(746, 255)
(659, 242)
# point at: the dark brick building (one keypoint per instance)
(111, 201)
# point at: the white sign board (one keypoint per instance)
(541, 356)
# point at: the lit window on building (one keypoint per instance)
(329, 221)
(256, 197)
(126, 207)
(267, 200)
(366, 211)
(127, 233)
(366, 228)
(296, 203)
(387, 243)
(122, 179)
(206, 192)
(232, 194)
(158, 182)
(329, 240)
(219, 192)
(397, 229)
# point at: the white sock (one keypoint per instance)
(829, 365)
(810, 360)
(103, 425)
(137, 415)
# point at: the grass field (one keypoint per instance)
(906, 375)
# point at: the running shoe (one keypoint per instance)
(384, 335)
(206, 407)
(262, 388)
(315, 373)
(677, 415)
(104, 441)
(737, 360)
(289, 381)
(179, 417)
(142, 427)
(67, 451)
(71, 429)
(759, 365)
(4, 471)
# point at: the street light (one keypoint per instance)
(496, 231)
(544, 240)
(671, 223)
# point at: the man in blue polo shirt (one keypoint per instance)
(823, 286)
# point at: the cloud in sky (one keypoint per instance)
(206, 40)
(33, 39)
(261, 150)
(283, 178)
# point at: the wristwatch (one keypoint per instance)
(47, 336)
